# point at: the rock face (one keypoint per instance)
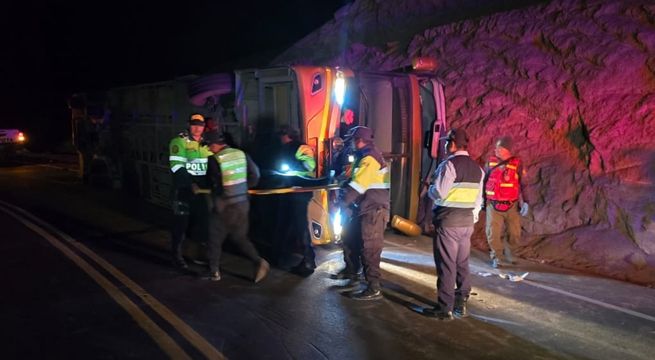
(572, 81)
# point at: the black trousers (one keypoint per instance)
(230, 221)
(293, 228)
(363, 242)
(452, 249)
(190, 217)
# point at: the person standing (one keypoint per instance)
(365, 204)
(188, 164)
(457, 194)
(505, 200)
(230, 172)
(298, 160)
(211, 125)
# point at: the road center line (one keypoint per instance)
(183, 328)
(552, 289)
(165, 342)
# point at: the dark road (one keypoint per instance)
(54, 307)
(86, 275)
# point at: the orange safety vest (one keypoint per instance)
(503, 181)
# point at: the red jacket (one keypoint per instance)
(503, 182)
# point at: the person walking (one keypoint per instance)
(505, 200)
(230, 172)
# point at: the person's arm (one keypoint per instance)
(214, 176)
(177, 161)
(523, 201)
(362, 177)
(253, 173)
(305, 154)
(522, 184)
(444, 178)
(479, 199)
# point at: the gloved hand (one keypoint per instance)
(525, 208)
(346, 213)
(476, 215)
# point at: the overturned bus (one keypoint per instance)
(406, 110)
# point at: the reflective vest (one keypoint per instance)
(461, 195)
(368, 187)
(305, 156)
(234, 171)
(369, 173)
(300, 159)
(465, 190)
(503, 181)
(454, 209)
(186, 153)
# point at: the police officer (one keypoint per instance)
(230, 172)
(505, 200)
(457, 194)
(297, 158)
(188, 163)
(365, 203)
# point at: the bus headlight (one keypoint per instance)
(340, 88)
(336, 223)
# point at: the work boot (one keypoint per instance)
(439, 313)
(201, 259)
(460, 310)
(211, 275)
(262, 270)
(179, 263)
(344, 274)
(303, 269)
(371, 293)
(351, 285)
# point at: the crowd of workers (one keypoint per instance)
(204, 158)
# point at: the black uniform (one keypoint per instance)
(292, 215)
(188, 159)
(367, 196)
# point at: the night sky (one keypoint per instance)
(52, 49)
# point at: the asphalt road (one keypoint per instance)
(86, 276)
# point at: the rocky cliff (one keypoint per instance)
(572, 81)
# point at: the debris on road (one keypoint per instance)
(514, 277)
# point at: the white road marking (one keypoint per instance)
(184, 329)
(548, 288)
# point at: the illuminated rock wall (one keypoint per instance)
(572, 81)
